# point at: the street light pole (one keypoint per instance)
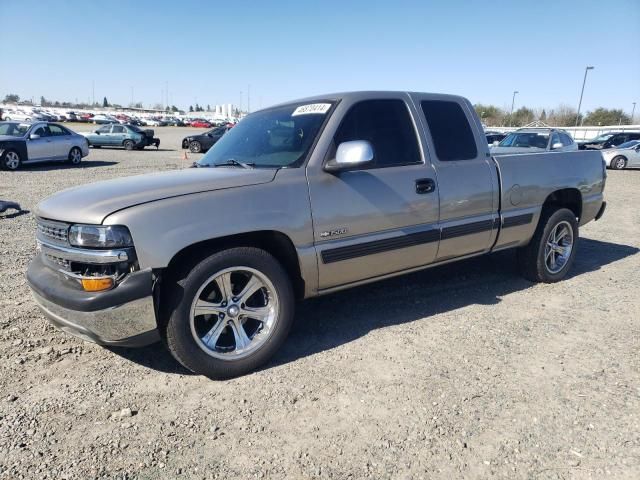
(513, 101)
(633, 111)
(584, 81)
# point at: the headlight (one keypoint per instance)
(99, 236)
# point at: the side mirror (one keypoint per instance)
(34, 136)
(350, 156)
(556, 146)
(496, 143)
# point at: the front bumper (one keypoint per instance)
(124, 316)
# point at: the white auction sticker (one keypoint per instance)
(311, 108)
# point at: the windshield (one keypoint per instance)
(629, 144)
(14, 129)
(602, 138)
(278, 137)
(526, 140)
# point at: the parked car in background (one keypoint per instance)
(204, 141)
(493, 137)
(595, 143)
(201, 123)
(20, 116)
(103, 119)
(174, 122)
(531, 140)
(300, 200)
(154, 122)
(72, 116)
(620, 138)
(23, 143)
(86, 117)
(623, 156)
(115, 135)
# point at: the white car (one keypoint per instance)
(151, 122)
(623, 156)
(17, 115)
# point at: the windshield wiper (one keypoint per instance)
(235, 163)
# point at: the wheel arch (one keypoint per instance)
(570, 198)
(274, 242)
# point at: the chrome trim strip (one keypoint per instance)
(83, 255)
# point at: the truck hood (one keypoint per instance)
(93, 202)
(511, 150)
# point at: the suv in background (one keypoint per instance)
(620, 138)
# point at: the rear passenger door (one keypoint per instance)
(467, 177)
(61, 141)
(381, 218)
(118, 135)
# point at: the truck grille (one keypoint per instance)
(53, 231)
(57, 262)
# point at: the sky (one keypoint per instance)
(208, 52)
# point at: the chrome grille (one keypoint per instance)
(57, 262)
(53, 231)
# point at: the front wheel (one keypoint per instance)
(11, 160)
(195, 147)
(550, 253)
(75, 156)
(618, 163)
(230, 313)
(128, 145)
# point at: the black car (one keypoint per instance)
(204, 141)
(609, 140)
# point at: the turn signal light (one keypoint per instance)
(97, 284)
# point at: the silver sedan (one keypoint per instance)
(623, 156)
(24, 143)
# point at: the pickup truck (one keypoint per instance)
(298, 200)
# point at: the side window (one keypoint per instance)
(566, 139)
(118, 129)
(41, 131)
(387, 125)
(105, 129)
(57, 131)
(450, 130)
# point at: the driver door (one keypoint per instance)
(39, 148)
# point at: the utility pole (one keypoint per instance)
(132, 96)
(633, 111)
(240, 107)
(93, 92)
(248, 98)
(513, 101)
(586, 70)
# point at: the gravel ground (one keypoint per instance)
(461, 371)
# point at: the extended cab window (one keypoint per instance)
(450, 130)
(387, 125)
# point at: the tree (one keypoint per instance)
(521, 117)
(604, 116)
(105, 104)
(11, 98)
(208, 108)
(543, 116)
(191, 108)
(174, 108)
(563, 116)
(43, 101)
(490, 114)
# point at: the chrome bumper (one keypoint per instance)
(132, 324)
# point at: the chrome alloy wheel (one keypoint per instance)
(557, 250)
(620, 163)
(234, 313)
(76, 156)
(12, 160)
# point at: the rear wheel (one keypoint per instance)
(75, 156)
(618, 163)
(11, 160)
(230, 313)
(128, 145)
(550, 253)
(195, 146)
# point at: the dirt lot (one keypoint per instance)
(464, 371)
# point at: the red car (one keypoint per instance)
(201, 124)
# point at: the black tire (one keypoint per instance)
(195, 147)
(96, 146)
(618, 163)
(75, 156)
(128, 144)
(178, 335)
(9, 162)
(531, 258)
